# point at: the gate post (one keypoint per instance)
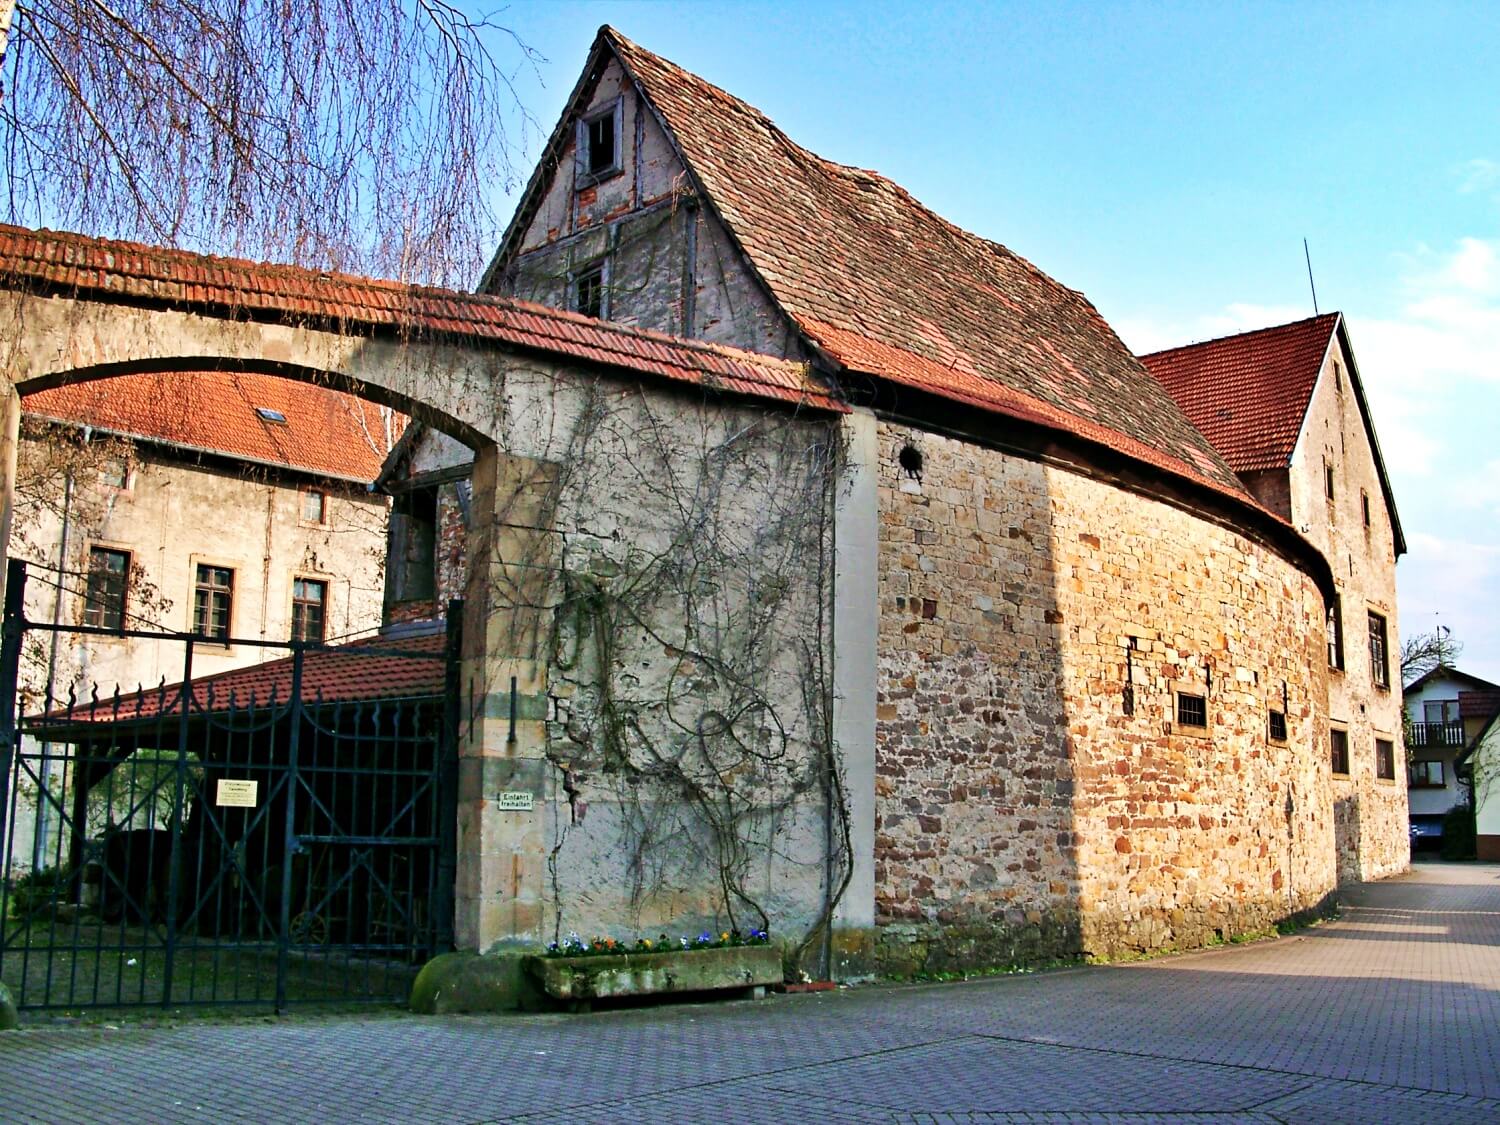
(503, 769)
(447, 811)
(14, 624)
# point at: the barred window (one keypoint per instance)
(1276, 725)
(1192, 710)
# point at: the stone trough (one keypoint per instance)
(579, 981)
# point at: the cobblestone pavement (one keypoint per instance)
(1391, 1014)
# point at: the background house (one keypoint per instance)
(1286, 408)
(1446, 709)
(228, 505)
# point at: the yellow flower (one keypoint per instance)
(724, 936)
(646, 942)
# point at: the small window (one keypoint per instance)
(1328, 478)
(588, 293)
(1380, 669)
(108, 581)
(309, 609)
(1385, 759)
(598, 143)
(1364, 506)
(1336, 635)
(314, 505)
(1276, 725)
(266, 414)
(213, 597)
(1425, 775)
(115, 473)
(1338, 377)
(1338, 744)
(1192, 710)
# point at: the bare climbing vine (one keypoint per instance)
(685, 632)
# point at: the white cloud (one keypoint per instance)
(1478, 176)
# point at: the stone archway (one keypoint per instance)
(61, 338)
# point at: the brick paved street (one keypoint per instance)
(1390, 1014)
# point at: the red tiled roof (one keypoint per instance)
(1248, 393)
(886, 287)
(1478, 704)
(102, 269)
(360, 671)
(326, 431)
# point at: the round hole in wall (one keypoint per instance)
(910, 460)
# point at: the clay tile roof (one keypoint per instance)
(886, 287)
(93, 268)
(1478, 704)
(367, 670)
(1248, 393)
(325, 431)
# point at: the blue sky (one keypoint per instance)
(1168, 160)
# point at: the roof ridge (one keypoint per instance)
(1270, 328)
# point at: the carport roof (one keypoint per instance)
(380, 667)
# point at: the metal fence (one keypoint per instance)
(264, 836)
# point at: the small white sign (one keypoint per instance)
(514, 800)
(237, 794)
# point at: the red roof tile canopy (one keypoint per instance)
(886, 287)
(375, 668)
(1249, 393)
(100, 269)
(254, 417)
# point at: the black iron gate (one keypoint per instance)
(268, 835)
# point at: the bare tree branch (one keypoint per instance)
(363, 135)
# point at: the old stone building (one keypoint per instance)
(1079, 687)
(1286, 408)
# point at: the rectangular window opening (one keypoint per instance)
(1328, 478)
(1192, 710)
(588, 293)
(314, 505)
(1336, 635)
(268, 415)
(1426, 775)
(213, 597)
(309, 609)
(108, 582)
(1276, 725)
(1364, 506)
(1338, 743)
(1380, 669)
(601, 144)
(1385, 759)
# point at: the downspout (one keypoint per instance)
(43, 807)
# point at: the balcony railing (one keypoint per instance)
(1436, 734)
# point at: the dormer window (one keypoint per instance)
(598, 144)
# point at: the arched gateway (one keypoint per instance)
(533, 392)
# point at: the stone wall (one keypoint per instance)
(1371, 811)
(1023, 810)
(681, 700)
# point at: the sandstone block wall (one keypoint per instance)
(1022, 812)
(1371, 811)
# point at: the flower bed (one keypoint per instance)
(581, 972)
